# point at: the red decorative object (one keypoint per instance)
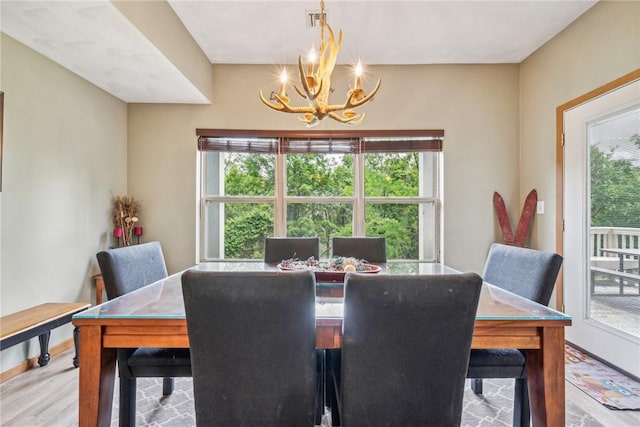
(526, 218)
(118, 234)
(137, 231)
(125, 216)
(503, 219)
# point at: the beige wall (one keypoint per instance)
(64, 156)
(476, 105)
(599, 47)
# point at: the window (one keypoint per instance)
(377, 183)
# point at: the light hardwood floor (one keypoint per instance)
(49, 397)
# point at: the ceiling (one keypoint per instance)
(95, 40)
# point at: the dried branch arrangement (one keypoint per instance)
(125, 215)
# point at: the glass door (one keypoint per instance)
(602, 226)
(614, 166)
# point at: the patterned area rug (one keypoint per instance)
(604, 384)
(494, 408)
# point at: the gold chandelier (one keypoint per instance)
(315, 79)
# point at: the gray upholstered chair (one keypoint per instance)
(371, 249)
(531, 274)
(252, 337)
(124, 270)
(405, 348)
(277, 249)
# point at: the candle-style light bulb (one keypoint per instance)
(358, 73)
(283, 83)
(312, 57)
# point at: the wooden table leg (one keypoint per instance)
(97, 374)
(545, 374)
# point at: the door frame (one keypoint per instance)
(560, 110)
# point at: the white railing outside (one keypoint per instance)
(613, 237)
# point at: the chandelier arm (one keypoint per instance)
(310, 94)
(310, 121)
(284, 106)
(303, 77)
(352, 104)
(270, 104)
(332, 40)
(320, 85)
(300, 92)
(328, 60)
(358, 121)
(355, 120)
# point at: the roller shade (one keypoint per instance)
(319, 142)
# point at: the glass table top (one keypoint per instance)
(163, 299)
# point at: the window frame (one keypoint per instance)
(357, 143)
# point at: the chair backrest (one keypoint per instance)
(128, 268)
(252, 338)
(372, 249)
(405, 348)
(277, 249)
(529, 273)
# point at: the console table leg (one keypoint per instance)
(76, 336)
(44, 349)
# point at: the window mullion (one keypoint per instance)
(221, 212)
(280, 208)
(202, 235)
(358, 190)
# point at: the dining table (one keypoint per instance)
(154, 316)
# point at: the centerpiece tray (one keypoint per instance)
(328, 272)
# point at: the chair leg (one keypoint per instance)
(127, 402)
(521, 409)
(333, 385)
(168, 385)
(320, 386)
(476, 385)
